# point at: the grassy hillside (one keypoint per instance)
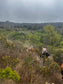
(30, 68)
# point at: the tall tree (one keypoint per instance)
(51, 37)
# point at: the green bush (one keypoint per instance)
(50, 67)
(9, 61)
(61, 44)
(58, 56)
(7, 73)
(54, 67)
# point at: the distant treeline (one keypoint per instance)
(31, 26)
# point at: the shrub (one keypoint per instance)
(58, 56)
(50, 67)
(61, 44)
(8, 61)
(7, 73)
(28, 61)
(45, 71)
(54, 67)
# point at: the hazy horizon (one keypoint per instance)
(31, 11)
(30, 22)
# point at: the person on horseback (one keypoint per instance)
(44, 52)
(62, 70)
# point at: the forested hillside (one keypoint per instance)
(31, 26)
(19, 64)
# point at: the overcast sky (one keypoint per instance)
(31, 11)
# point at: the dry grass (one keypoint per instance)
(30, 71)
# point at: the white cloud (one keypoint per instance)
(31, 10)
(41, 2)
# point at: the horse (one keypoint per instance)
(45, 53)
(61, 70)
(30, 49)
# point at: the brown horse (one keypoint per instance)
(62, 70)
(30, 49)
